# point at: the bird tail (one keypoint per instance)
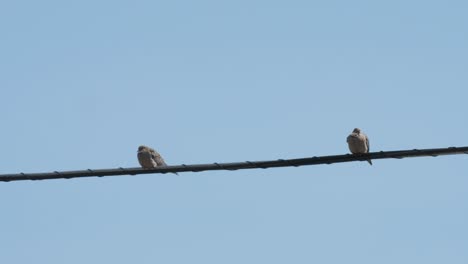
(178, 173)
(370, 162)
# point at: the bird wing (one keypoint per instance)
(157, 158)
(160, 161)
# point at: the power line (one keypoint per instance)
(399, 154)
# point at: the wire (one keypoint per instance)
(399, 154)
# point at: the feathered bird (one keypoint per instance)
(358, 143)
(150, 158)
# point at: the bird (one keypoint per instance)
(150, 158)
(358, 143)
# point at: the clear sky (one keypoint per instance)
(84, 83)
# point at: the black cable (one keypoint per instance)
(399, 154)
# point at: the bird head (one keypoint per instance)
(142, 148)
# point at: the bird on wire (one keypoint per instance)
(358, 143)
(150, 158)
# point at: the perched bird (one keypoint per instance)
(150, 158)
(358, 143)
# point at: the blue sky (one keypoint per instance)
(85, 82)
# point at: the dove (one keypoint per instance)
(150, 158)
(358, 143)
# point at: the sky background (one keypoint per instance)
(84, 83)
